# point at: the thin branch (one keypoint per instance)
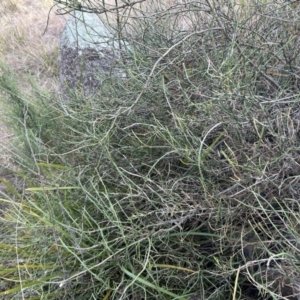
(87, 9)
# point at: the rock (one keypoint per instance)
(89, 52)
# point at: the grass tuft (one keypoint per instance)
(180, 181)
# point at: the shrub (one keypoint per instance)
(178, 182)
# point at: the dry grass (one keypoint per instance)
(22, 42)
(28, 49)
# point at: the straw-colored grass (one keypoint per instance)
(22, 43)
(29, 46)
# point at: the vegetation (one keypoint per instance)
(179, 181)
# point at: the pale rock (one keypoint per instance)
(89, 52)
